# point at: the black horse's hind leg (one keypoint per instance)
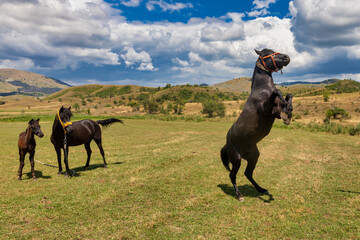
(252, 160)
(32, 163)
(21, 166)
(235, 160)
(58, 154)
(88, 151)
(98, 142)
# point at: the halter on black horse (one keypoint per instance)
(266, 68)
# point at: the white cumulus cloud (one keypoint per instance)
(165, 6)
(142, 59)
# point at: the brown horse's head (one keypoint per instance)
(272, 61)
(35, 127)
(65, 114)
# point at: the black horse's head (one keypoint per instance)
(65, 115)
(286, 110)
(272, 61)
(35, 127)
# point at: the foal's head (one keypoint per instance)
(35, 127)
(65, 115)
(283, 112)
(272, 61)
(286, 111)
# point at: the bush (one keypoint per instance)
(326, 96)
(212, 107)
(150, 106)
(336, 112)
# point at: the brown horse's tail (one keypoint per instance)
(225, 157)
(109, 121)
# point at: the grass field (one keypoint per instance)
(165, 180)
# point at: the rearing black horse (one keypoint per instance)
(257, 118)
(66, 133)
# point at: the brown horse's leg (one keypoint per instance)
(31, 158)
(98, 142)
(235, 160)
(21, 166)
(66, 151)
(252, 160)
(88, 151)
(58, 154)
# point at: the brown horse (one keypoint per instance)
(27, 144)
(66, 133)
(256, 119)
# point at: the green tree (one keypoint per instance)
(212, 108)
(76, 106)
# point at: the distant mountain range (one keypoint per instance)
(328, 81)
(14, 81)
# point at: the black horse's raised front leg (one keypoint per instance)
(277, 93)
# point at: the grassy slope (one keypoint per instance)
(165, 180)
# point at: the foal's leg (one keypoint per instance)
(21, 166)
(88, 151)
(31, 158)
(252, 160)
(235, 160)
(98, 142)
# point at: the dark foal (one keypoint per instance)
(27, 144)
(283, 112)
(256, 119)
(66, 133)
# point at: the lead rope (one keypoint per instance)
(49, 165)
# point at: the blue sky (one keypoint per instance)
(155, 42)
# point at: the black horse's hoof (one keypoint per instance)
(105, 166)
(266, 192)
(263, 191)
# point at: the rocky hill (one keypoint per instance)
(14, 81)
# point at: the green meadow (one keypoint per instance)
(165, 180)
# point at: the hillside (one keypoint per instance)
(314, 89)
(14, 81)
(236, 85)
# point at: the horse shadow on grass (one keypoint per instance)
(78, 170)
(247, 191)
(38, 174)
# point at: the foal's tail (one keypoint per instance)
(109, 121)
(225, 157)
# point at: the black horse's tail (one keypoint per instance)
(109, 121)
(225, 157)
